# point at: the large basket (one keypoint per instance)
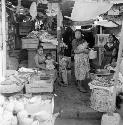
(102, 100)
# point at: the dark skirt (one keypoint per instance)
(107, 60)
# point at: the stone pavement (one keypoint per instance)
(76, 122)
(74, 104)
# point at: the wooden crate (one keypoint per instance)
(38, 86)
(30, 43)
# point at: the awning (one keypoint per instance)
(106, 23)
(116, 1)
(84, 11)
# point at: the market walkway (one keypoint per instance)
(74, 104)
(76, 122)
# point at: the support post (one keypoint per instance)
(100, 50)
(4, 36)
(59, 25)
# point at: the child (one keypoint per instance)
(63, 69)
(49, 62)
(83, 46)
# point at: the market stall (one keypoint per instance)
(27, 92)
(30, 81)
(31, 42)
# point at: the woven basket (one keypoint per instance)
(102, 100)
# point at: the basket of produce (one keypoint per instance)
(102, 100)
(102, 94)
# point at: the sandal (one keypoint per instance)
(62, 84)
(82, 90)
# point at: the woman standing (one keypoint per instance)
(40, 58)
(110, 51)
(81, 60)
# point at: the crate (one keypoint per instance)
(30, 43)
(38, 89)
(38, 86)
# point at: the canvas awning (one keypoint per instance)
(116, 1)
(84, 11)
(106, 23)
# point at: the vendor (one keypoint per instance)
(81, 57)
(110, 51)
(40, 58)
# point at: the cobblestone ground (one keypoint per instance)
(74, 106)
(76, 122)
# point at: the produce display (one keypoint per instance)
(105, 81)
(43, 36)
(102, 81)
(102, 100)
(102, 91)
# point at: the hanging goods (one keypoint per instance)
(33, 10)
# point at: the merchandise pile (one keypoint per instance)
(27, 110)
(29, 78)
(43, 36)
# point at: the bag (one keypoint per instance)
(110, 119)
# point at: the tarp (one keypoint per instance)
(116, 1)
(83, 11)
(106, 23)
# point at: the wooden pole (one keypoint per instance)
(100, 50)
(59, 24)
(4, 36)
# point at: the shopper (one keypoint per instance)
(81, 58)
(40, 58)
